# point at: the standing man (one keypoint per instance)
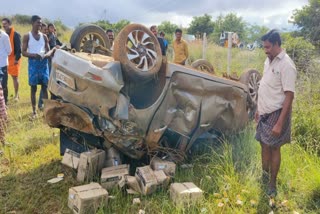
(154, 30)
(275, 96)
(180, 48)
(54, 42)
(14, 57)
(5, 51)
(34, 46)
(44, 28)
(165, 42)
(52, 36)
(110, 35)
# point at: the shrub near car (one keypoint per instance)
(136, 101)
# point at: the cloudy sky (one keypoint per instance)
(271, 13)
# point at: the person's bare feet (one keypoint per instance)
(34, 116)
(272, 191)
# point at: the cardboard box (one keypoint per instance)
(111, 176)
(87, 198)
(90, 164)
(150, 180)
(185, 193)
(132, 183)
(168, 167)
(71, 159)
(162, 179)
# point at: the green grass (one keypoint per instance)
(241, 60)
(227, 171)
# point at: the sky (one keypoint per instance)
(270, 13)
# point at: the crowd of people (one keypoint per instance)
(34, 46)
(275, 95)
(180, 46)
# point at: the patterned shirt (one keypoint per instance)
(3, 117)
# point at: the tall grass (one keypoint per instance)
(306, 120)
(241, 60)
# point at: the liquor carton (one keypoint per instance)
(71, 159)
(111, 176)
(185, 193)
(168, 167)
(150, 180)
(90, 164)
(87, 198)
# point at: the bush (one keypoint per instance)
(306, 120)
(22, 19)
(300, 50)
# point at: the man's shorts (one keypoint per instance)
(265, 126)
(38, 72)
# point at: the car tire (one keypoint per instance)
(251, 78)
(83, 37)
(203, 65)
(139, 61)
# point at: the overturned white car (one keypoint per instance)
(136, 101)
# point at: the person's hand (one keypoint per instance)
(276, 130)
(256, 116)
(50, 53)
(37, 56)
(16, 62)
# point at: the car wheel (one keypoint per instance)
(203, 65)
(138, 51)
(86, 36)
(251, 78)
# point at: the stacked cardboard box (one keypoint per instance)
(167, 166)
(71, 159)
(87, 198)
(90, 164)
(111, 176)
(185, 193)
(133, 184)
(150, 180)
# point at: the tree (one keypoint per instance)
(308, 20)
(201, 24)
(300, 50)
(255, 32)
(116, 27)
(167, 27)
(22, 19)
(229, 23)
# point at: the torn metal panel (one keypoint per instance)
(192, 101)
(66, 114)
(132, 146)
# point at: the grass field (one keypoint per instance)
(227, 170)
